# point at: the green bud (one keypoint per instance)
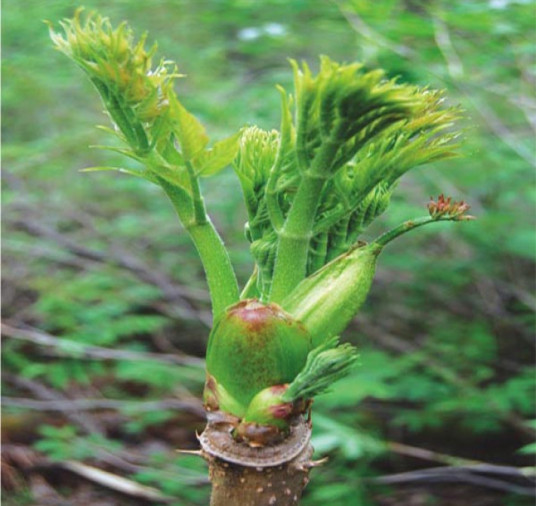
(269, 407)
(271, 412)
(253, 347)
(215, 395)
(268, 416)
(327, 301)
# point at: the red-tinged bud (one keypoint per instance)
(445, 207)
(252, 347)
(257, 435)
(269, 416)
(269, 407)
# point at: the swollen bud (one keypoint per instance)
(328, 300)
(268, 417)
(252, 347)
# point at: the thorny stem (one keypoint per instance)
(236, 485)
(245, 476)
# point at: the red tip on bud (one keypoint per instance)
(257, 316)
(282, 411)
(447, 208)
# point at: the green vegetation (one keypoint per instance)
(444, 340)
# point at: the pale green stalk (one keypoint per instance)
(219, 271)
(411, 224)
(291, 261)
(295, 236)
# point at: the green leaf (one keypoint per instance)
(136, 173)
(326, 364)
(117, 169)
(331, 434)
(99, 169)
(173, 174)
(529, 449)
(122, 151)
(211, 161)
(188, 129)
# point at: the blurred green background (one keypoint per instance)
(446, 338)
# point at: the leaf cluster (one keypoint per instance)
(148, 117)
(355, 131)
(45, 137)
(347, 131)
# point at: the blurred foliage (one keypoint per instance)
(446, 338)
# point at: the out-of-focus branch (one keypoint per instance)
(193, 406)
(448, 375)
(494, 123)
(125, 460)
(30, 462)
(455, 69)
(455, 461)
(48, 395)
(179, 295)
(464, 474)
(444, 43)
(163, 306)
(366, 31)
(525, 104)
(114, 482)
(443, 40)
(459, 469)
(67, 347)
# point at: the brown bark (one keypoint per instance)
(246, 476)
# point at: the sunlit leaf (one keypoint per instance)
(213, 160)
(188, 129)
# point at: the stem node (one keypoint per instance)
(244, 476)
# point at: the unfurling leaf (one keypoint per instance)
(135, 94)
(189, 131)
(326, 364)
(211, 161)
